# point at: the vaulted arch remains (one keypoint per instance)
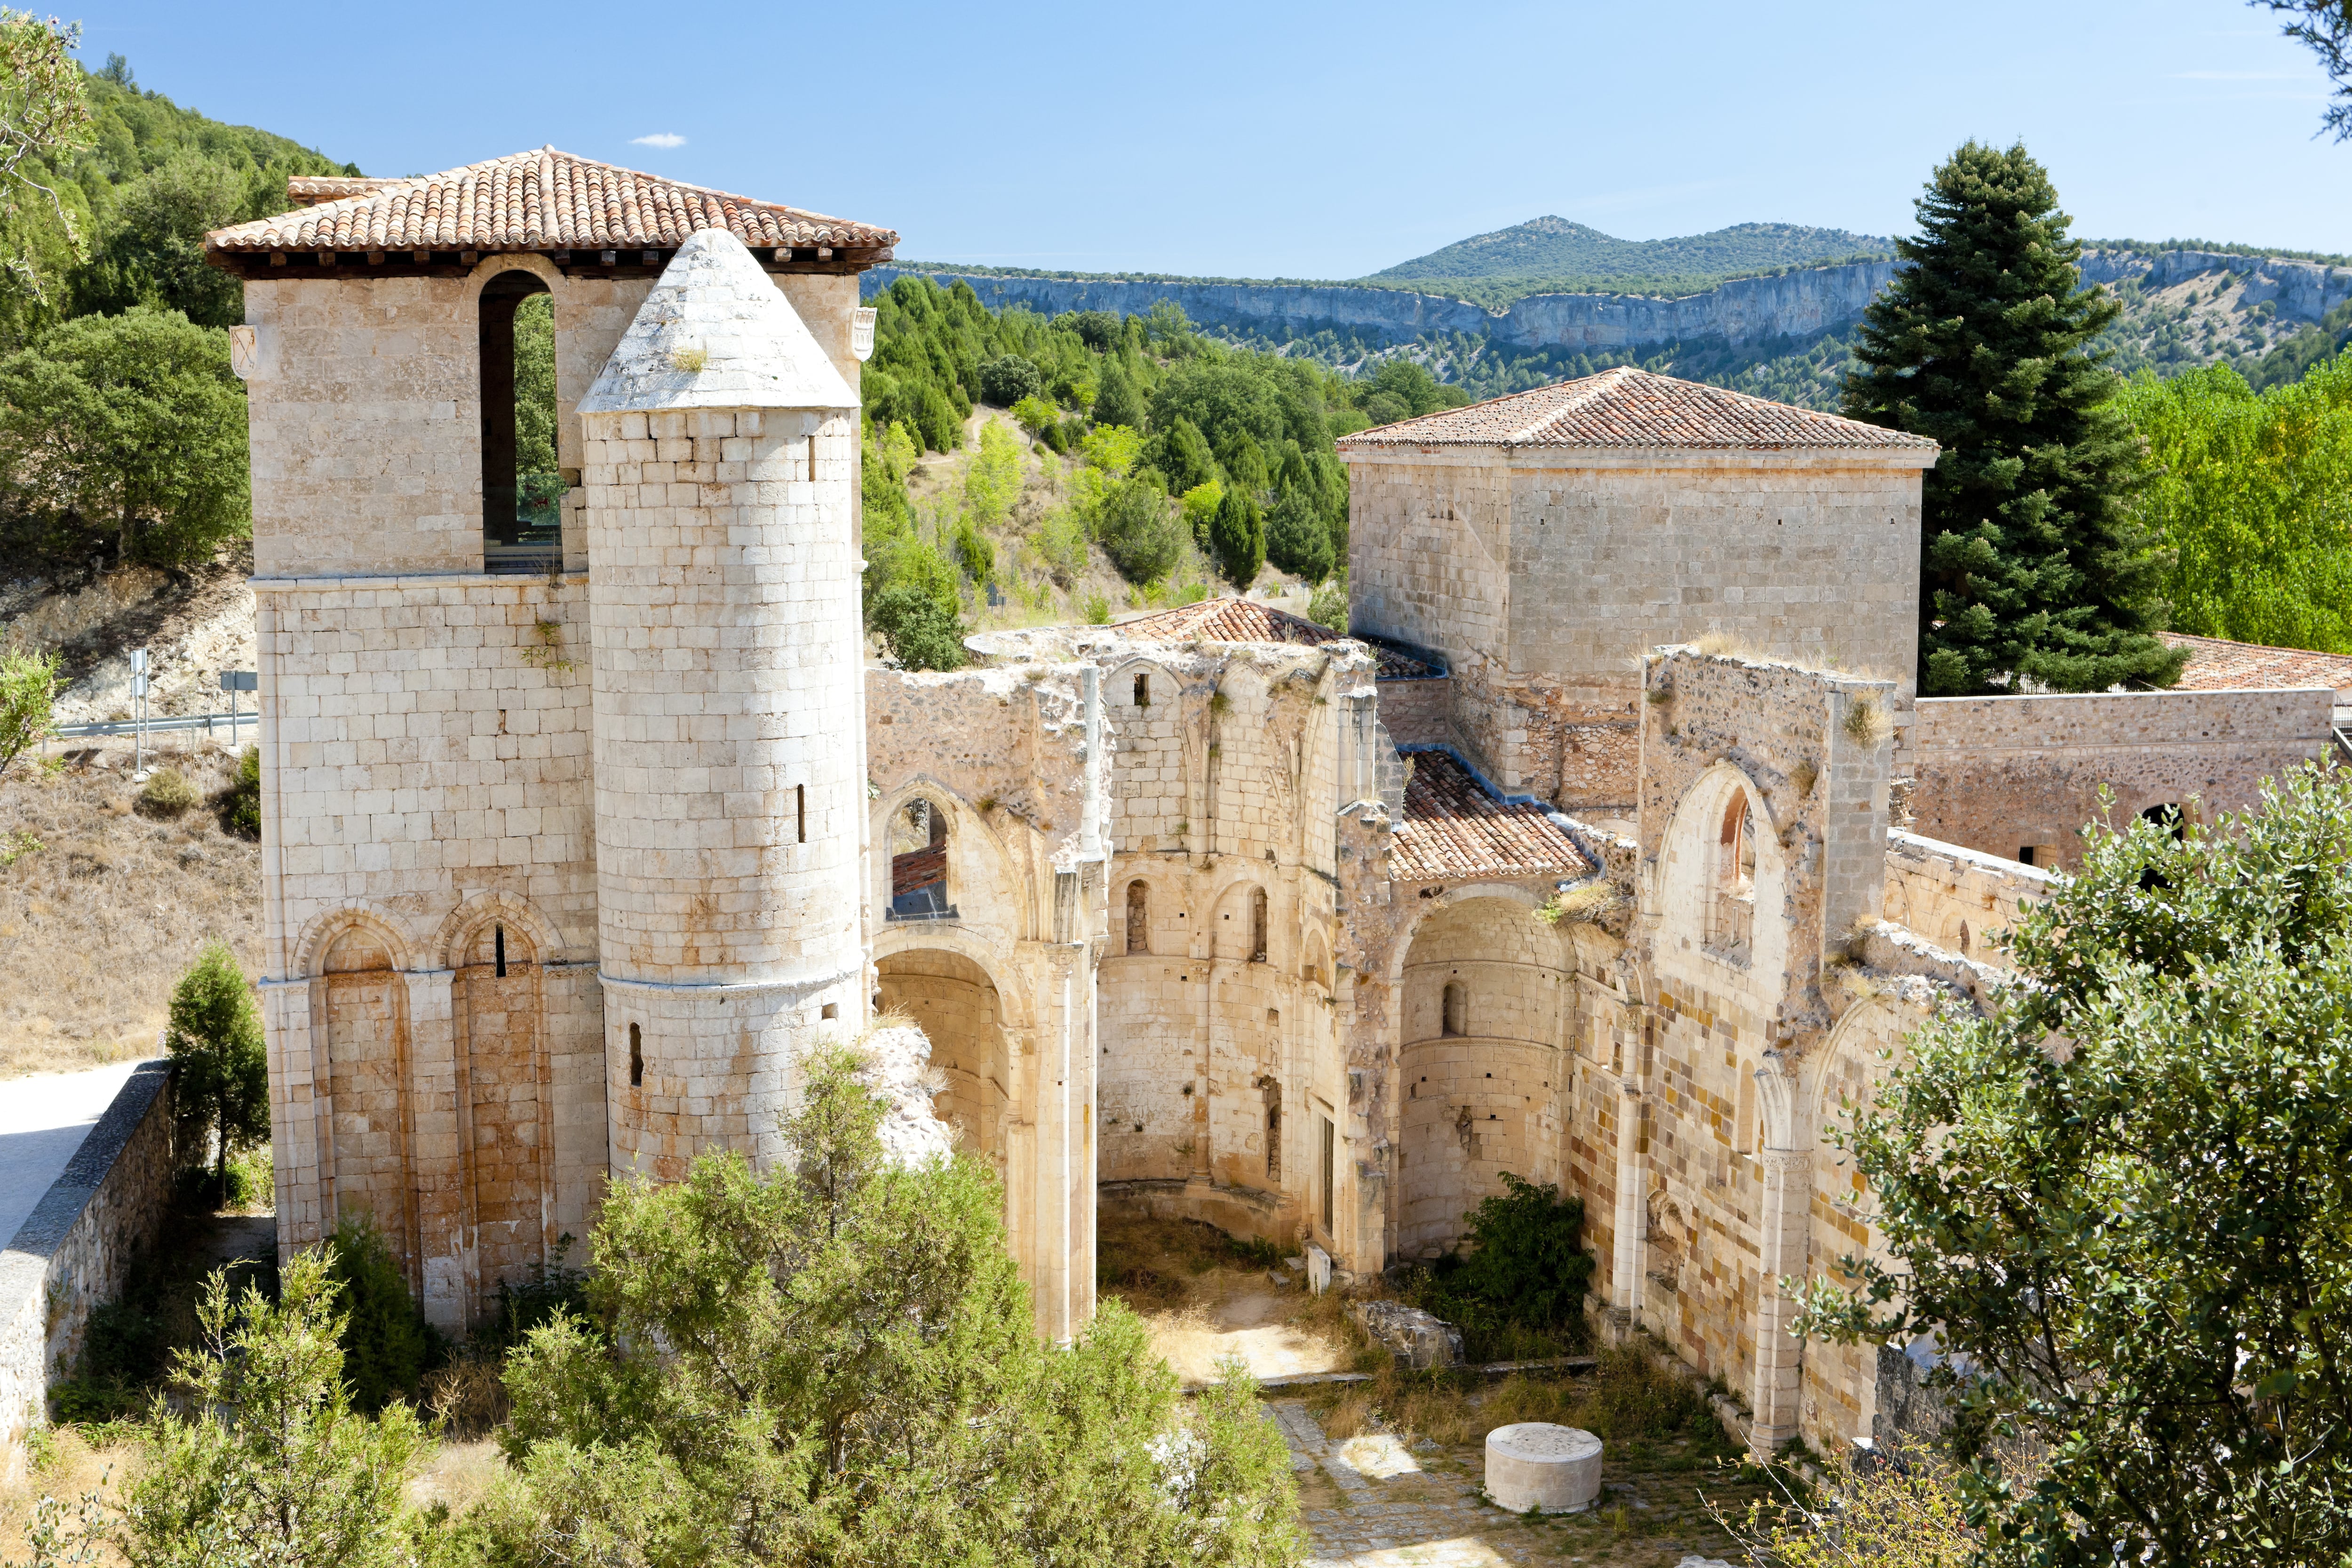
(956, 1003)
(1488, 992)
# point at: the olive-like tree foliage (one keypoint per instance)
(2122, 1202)
(832, 1360)
(2323, 26)
(135, 426)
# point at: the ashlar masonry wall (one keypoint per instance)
(1540, 575)
(2002, 773)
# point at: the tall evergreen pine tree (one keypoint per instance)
(2030, 565)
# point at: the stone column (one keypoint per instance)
(720, 474)
(1783, 1233)
(1631, 1217)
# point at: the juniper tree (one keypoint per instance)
(1237, 538)
(221, 1065)
(2031, 567)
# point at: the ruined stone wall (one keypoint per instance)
(1954, 897)
(1006, 982)
(1999, 774)
(1541, 577)
(1419, 713)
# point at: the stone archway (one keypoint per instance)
(955, 1002)
(360, 1013)
(1485, 993)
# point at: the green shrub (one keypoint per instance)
(1097, 610)
(919, 632)
(1516, 1292)
(240, 804)
(1005, 380)
(1329, 606)
(1140, 534)
(220, 1069)
(167, 794)
(387, 1345)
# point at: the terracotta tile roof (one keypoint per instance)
(541, 200)
(1247, 620)
(1629, 407)
(2217, 666)
(1453, 828)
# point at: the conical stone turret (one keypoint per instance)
(720, 475)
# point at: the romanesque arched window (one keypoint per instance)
(1733, 918)
(1143, 691)
(522, 489)
(1455, 1016)
(1257, 925)
(919, 863)
(1139, 918)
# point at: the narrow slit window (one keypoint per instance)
(1139, 918)
(800, 810)
(1456, 1012)
(1271, 1089)
(499, 949)
(636, 1058)
(1330, 1161)
(522, 489)
(1143, 691)
(1257, 925)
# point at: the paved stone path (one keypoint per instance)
(1429, 1515)
(43, 1119)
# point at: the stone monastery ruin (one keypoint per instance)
(580, 833)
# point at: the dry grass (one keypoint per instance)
(1630, 1398)
(98, 922)
(66, 1467)
(462, 1475)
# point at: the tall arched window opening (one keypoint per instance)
(919, 863)
(1257, 925)
(522, 489)
(1139, 918)
(1456, 1015)
(1272, 1090)
(1734, 914)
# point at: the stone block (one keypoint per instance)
(1417, 1339)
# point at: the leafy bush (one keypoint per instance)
(919, 632)
(1005, 380)
(1517, 1289)
(240, 804)
(29, 688)
(1140, 533)
(1097, 610)
(1329, 607)
(387, 1347)
(833, 1358)
(1037, 416)
(1061, 541)
(167, 794)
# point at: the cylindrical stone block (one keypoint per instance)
(1535, 1464)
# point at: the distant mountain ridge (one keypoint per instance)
(1554, 255)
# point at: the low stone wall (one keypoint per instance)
(1956, 897)
(75, 1251)
(2004, 774)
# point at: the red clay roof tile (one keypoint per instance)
(539, 200)
(1453, 828)
(1247, 620)
(1629, 407)
(2217, 666)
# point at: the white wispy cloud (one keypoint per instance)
(2237, 76)
(664, 139)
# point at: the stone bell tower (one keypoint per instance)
(720, 471)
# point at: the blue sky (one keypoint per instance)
(1295, 140)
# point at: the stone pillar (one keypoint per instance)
(1783, 1235)
(436, 1171)
(1632, 1216)
(295, 1108)
(720, 474)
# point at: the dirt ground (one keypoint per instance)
(1204, 1299)
(102, 908)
